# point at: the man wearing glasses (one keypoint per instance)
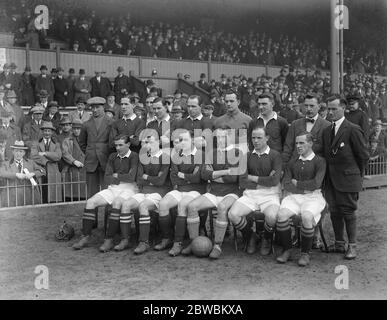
(129, 125)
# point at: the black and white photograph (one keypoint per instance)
(197, 152)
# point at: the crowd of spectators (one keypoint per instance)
(93, 32)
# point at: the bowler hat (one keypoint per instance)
(71, 70)
(13, 66)
(81, 100)
(82, 71)
(47, 125)
(111, 94)
(43, 67)
(53, 104)
(111, 110)
(120, 69)
(77, 123)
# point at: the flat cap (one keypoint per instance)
(96, 100)
(77, 123)
(37, 109)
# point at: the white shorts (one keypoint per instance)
(312, 202)
(154, 197)
(123, 190)
(215, 200)
(178, 195)
(260, 200)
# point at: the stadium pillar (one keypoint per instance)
(335, 54)
(209, 73)
(139, 66)
(28, 62)
(57, 56)
(341, 56)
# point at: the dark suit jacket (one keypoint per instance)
(95, 143)
(299, 126)
(100, 89)
(346, 157)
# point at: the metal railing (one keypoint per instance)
(377, 167)
(68, 187)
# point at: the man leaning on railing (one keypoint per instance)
(19, 178)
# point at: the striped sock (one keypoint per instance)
(114, 223)
(180, 228)
(220, 230)
(269, 230)
(144, 228)
(125, 224)
(193, 227)
(244, 226)
(88, 220)
(306, 239)
(284, 234)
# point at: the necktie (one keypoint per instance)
(46, 145)
(333, 129)
(20, 167)
(80, 115)
(309, 120)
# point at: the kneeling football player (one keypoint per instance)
(186, 179)
(120, 176)
(302, 179)
(153, 181)
(262, 189)
(222, 173)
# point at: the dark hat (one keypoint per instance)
(43, 67)
(43, 93)
(47, 125)
(111, 94)
(65, 120)
(82, 71)
(71, 70)
(13, 66)
(54, 70)
(150, 82)
(53, 104)
(223, 76)
(119, 69)
(81, 100)
(353, 97)
(96, 100)
(77, 123)
(19, 145)
(202, 75)
(27, 69)
(111, 110)
(208, 107)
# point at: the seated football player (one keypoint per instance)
(262, 189)
(222, 172)
(302, 179)
(186, 179)
(120, 176)
(153, 181)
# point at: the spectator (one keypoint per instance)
(70, 80)
(122, 84)
(44, 82)
(10, 131)
(61, 88)
(80, 114)
(82, 86)
(27, 88)
(112, 105)
(17, 112)
(31, 129)
(100, 86)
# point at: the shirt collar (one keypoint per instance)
(274, 116)
(132, 117)
(124, 156)
(267, 150)
(339, 122)
(199, 117)
(308, 158)
(193, 152)
(315, 117)
(157, 154)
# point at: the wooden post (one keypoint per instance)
(209, 72)
(57, 56)
(140, 66)
(28, 64)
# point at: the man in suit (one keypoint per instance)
(10, 131)
(111, 104)
(100, 86)
(31, 130)
(94, 142)
(44, 82)
(357, 116)
(346, 154)
(80, 114)
(70, 80)
(121, 83)
(27, 88)
(312, 123)
(61, 89)
(82, 86)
